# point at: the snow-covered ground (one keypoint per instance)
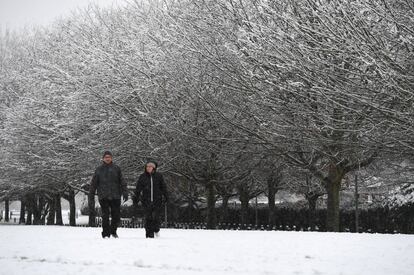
(56, 250)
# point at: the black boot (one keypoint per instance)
(149, 234)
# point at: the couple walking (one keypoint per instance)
(110, 185)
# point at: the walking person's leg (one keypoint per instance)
(106, 231)
(157, 221)
(116, 216)
(149, 222)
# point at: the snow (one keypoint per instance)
(79, 250)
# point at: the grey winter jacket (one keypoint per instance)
(109, 182)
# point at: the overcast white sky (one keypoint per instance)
(15, 14)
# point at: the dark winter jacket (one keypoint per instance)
(153, 189)
(109, 182)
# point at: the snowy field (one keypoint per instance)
(56, 250)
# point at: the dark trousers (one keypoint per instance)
(110, 207)
(152, 220)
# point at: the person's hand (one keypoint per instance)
(125, 196)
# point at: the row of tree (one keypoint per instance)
(235, 98)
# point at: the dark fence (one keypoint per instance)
(378, 220)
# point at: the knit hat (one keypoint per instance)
(150, 163)
(107, 153)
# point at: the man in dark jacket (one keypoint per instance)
(110, 184)
(152, 192)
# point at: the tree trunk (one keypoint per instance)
(190, 201)
(58, 209)
(271, 195)
(6, 210)
(29, 206)
(312, 210)
(92, 212)
(37, 215)
(225, 209)
(52, 211)
(356, 205)
(29, 217)
(34, 214)
(332, 218)
(333, 186)
(211, 205)
(42, 210)
(190, 210)
(272, 208)
(244, 211)
(72, 207)
(70, 197)
(22, 219)
(273, 185)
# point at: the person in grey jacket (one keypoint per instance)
(110, 184)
